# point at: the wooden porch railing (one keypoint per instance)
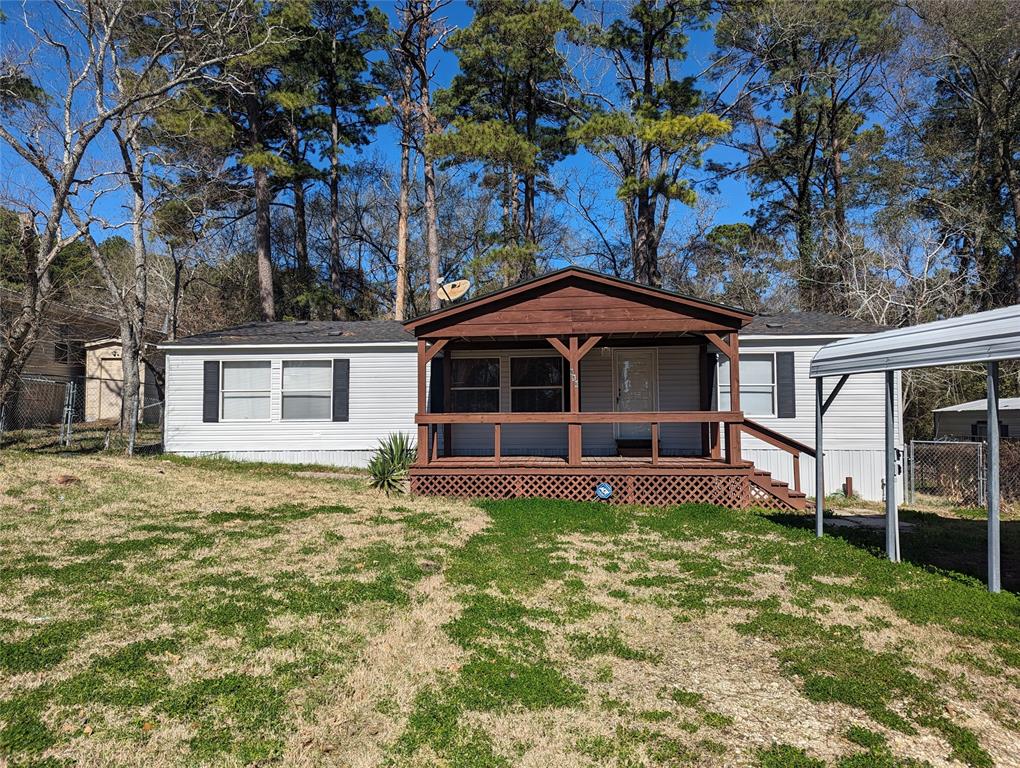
(428, 435)
(781, 441)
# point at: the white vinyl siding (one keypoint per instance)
(854, 424)
(383, 399)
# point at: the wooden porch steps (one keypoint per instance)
(779, 489)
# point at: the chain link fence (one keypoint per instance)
(955, 473)
(48, 414)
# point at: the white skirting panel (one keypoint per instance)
(865, 466)
(325, 458)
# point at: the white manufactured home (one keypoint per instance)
(326, 392)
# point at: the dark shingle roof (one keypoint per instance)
(807, 324)
(301, 332)
(387, 331)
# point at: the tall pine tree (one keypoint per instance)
(653, 131)
(509, 109)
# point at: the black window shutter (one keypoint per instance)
(437, 385)
(342, 390)
(211, 391)
(786, 387)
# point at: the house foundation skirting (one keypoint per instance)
(729, 489)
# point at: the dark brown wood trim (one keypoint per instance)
(516, 466)
(587, 347)
(558, 346)
(726, 347)
(435, 348)
(447, 400)
(582, 417)
(777, 439)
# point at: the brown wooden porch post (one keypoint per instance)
(573, 353)
(574, 430)
(447, 428)
(733, 430)
(705, 398)
(427, 449)
(423, 429)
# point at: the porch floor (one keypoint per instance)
(587, 462)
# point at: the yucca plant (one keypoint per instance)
(388, 466)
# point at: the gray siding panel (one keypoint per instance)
(679, 390)
(597, 395)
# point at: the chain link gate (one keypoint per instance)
(42, 409)
(956, 472)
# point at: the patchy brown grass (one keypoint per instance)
(161, 612)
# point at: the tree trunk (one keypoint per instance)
(646, 256)
(301, 230)
(335, 268)
(133, 330)
(18, 340)
(130, 402)
(403, 211)
(1013, 184)
(130, 301)
(263, 244)
(175, 300)
(529, 176)
(300, 217)
(431, 228)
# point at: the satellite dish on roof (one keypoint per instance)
(453, 291)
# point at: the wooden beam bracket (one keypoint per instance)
(435, 349)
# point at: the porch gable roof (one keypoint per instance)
(574, 300)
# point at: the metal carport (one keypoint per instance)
(983, 337)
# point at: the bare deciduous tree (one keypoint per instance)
(98, 88)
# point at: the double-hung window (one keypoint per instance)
(474, 384)
(307, 390)
(244, 390)
(536, 384)
(757, 385)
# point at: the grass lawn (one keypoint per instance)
(158, 612)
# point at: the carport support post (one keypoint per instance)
(819, 459)
(892, 523)
(992, 484)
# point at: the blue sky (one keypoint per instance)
(731, 203)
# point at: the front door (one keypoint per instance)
(635, 389)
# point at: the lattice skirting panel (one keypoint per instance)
(653, 490)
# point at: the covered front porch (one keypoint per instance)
(575, 380)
